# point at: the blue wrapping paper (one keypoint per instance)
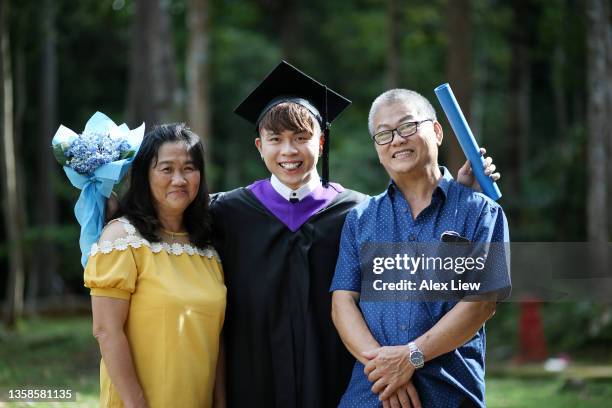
(97, 186)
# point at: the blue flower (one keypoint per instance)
(91, 150)
(94, 162)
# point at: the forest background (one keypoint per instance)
(534, 78)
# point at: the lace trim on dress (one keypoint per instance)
(135, 241)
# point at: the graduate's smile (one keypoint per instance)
(291, 165)
(291, 156)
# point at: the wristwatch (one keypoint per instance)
(417, 359)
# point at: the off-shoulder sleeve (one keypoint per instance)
(111, 274)
(111, 268)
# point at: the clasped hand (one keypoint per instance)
(390, 371)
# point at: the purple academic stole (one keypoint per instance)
(294, 215)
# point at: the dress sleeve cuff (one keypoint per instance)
(111, 292)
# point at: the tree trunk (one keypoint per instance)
(289, 28)
(608, 81)
(19, 108)
(286, 14)
(198, 56)
(152, 89)
(394, 53)
(558, 85)
(597, 113)
(520, 85)
(44, 270)
(459, 71)
(14, 295)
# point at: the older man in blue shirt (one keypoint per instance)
(438, 346)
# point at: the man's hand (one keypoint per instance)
(466, 177)
(389, 368)
(405, 397)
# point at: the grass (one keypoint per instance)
(546, 392)
(45, 353)
(61, 353)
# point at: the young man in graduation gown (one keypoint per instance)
(278, 239)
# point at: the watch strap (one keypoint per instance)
(414, 349)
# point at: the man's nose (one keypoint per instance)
(397, 139)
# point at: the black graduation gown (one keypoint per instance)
(282, 349)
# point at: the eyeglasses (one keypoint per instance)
(404, 130)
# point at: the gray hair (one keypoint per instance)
(414, 99)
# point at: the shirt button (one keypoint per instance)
(403, 327)
(412, 238)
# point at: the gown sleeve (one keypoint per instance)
(219, 226)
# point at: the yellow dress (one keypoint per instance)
(177, 306)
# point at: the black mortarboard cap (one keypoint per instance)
(288, 84)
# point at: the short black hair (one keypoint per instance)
(137, 204)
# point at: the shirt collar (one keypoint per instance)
(300, 193)
(443, 184)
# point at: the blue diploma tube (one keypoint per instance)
(466, 140)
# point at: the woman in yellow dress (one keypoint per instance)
(158, 297)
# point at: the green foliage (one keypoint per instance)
(532, 393)
(93, 44)
(582, 327)
(63, 353)
(343, 44)
(51, 353)
(58, 152)
(502, 333)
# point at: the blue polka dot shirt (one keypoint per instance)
(450, 379)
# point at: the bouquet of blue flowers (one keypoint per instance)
(94, 162)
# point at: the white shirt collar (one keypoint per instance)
(300, 193)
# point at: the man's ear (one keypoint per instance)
(439, 132)
(258, 145)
